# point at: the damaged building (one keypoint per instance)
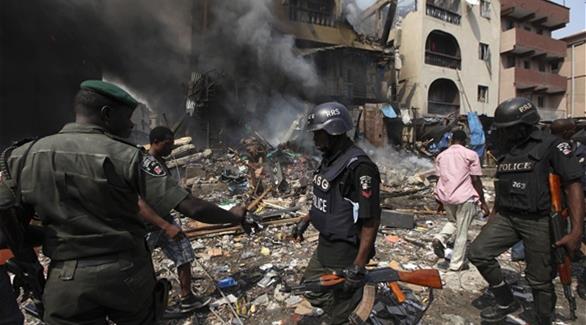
(449, 51)
(342, 49)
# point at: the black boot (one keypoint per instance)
(505, 304)
(544, 319)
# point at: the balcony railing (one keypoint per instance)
(443, 14)
(303, 15)
(442, 60)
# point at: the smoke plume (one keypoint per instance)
(151, 47)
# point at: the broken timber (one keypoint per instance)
(204, 232)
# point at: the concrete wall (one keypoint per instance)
(416, 76)
(578, 56)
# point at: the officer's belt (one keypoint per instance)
(89, 261)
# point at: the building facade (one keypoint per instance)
(353, 67)
(574, 69)
(448, 56)
(530, 58)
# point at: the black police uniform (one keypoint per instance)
(522, 206)
(345, 193)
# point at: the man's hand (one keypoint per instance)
(239, 211)
(248, 221)
(250, 224)
(299, 229)
(172, 231)
(571, 241)
(354, 277)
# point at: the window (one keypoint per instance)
(541, 66)
(526, 64)
(510, 62)
(540, 101)
(555, 66)
(483, 94)
(527, 28)
(484, 52)
(540, 31)
(485, 8)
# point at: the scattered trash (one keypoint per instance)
(227, 282)
(265, 251)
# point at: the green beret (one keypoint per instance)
(110, 90)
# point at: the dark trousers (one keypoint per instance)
(337, 303)
(9, 312)
(499, 234)
(86, 291)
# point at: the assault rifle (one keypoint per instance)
(558, 226)
(427, 278)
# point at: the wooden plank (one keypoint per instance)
(195, 233)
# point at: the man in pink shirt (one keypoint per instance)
(458, 190)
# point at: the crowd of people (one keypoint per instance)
(104, 204)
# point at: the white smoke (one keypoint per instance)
(396, 166)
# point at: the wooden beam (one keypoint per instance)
(195, 233)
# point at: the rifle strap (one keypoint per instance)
(362, 311)
(14, 184)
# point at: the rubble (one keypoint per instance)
(249, 273)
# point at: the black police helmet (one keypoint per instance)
(331, 117)
(514, 111)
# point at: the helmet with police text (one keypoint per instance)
(331, 117)
(514, 111)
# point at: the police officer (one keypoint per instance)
(522, 207)
(566, 129)
(84, 183)
(345, 210)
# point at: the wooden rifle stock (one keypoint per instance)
(558, 225)
(397, 292)
(426, 278)
(558, 229)
(555, 191)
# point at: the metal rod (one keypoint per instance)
(205, 271)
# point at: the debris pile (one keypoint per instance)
(245, 275)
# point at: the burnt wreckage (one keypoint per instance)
(351, 67)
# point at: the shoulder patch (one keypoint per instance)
(366, 186)
(152, 166)
(564, 148)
